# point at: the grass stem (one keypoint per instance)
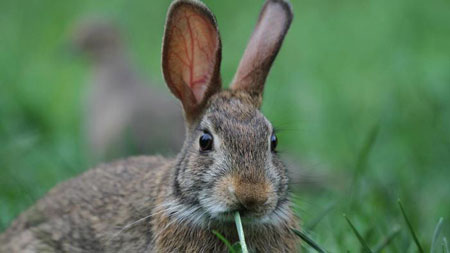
(416, 240)
(437, 232)
(387, 240)
(309, 241)
(224, 240)
(240, 229)
(365, 247)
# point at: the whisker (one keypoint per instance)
(129, 225)
(124, 228)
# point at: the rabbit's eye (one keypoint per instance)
(273, 142)
(206, 141)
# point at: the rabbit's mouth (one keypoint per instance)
(247, 216)
(270, 214)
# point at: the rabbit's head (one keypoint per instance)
(229, 161)
(96, 38)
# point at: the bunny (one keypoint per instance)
(122, 112)
(228, 162)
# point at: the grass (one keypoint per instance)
(309, 241)
(437, 232)
(240, 229)
(224, 240)
(364, 246)
(359, 90)
(239, 247)
(411, 229)
(445, 245)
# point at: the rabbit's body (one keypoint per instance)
(133, 205)
(77, 216)
(228, 162)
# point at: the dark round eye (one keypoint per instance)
(273, 142)
(206, 141)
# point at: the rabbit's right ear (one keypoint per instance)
(191, 55)
(265, 42)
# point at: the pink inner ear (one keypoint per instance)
(194, 46)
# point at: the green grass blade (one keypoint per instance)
(363, 156)
(224, 240)
(237, 247)
(311, 225)
(362, 160)
(437, 232)
(416, 240)
(445, 245)
(368, 234)
(387, 240)
(240, 229)
(309, 241)
(364, 245)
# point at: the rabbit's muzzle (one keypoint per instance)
(250, 196)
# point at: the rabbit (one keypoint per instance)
(123, 114)
(228, 161)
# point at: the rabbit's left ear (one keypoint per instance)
(191, 55)
(265, 42)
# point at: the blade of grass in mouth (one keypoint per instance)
(237, 220)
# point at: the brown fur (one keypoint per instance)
(153, 204)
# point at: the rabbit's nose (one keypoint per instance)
(251, 196)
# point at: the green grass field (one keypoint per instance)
(360, 91)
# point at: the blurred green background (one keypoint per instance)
(360, 91)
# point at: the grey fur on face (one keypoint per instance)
(241, 149)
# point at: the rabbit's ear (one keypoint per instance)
(265, 42)
(191, 55)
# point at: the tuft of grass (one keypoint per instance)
(437, 232)
(413, 234)
(365, 247)
(240, 229)
(309, 241)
